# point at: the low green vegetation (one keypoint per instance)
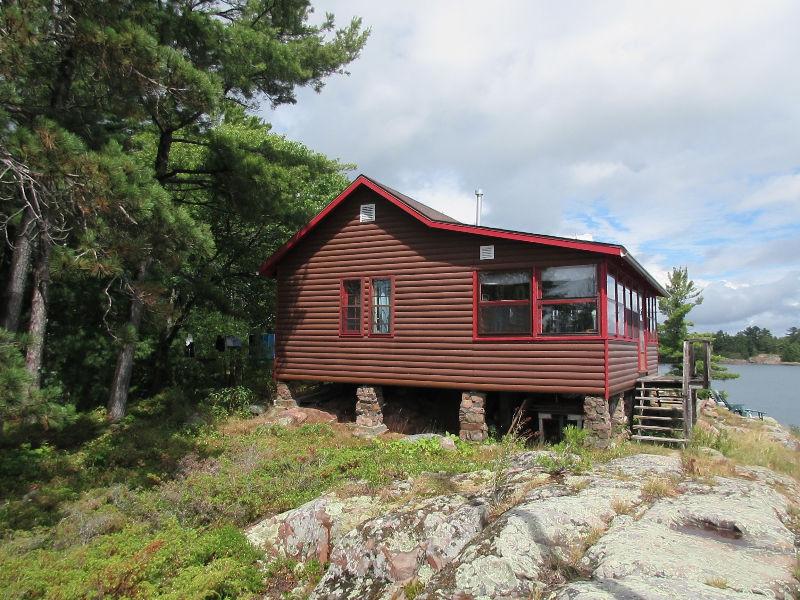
(154, 507)
(750, 445)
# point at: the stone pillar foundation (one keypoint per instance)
(620, 423)
(285, 396)
(369, 410)
(597, 419)
(472, 417)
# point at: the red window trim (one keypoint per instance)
(540, 302)
(536, 317)
(649, 302)
(343, 307)
(477, 303)
(392, 304)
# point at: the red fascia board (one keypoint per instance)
(268, 268)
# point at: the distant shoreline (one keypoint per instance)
(756, 361)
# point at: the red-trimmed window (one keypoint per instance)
(625, 314)
(382, 300)
(568, 300)
(652, 317)
(611, 297)
(350, 318)
(504, 303)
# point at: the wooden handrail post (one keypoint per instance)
(687, 392)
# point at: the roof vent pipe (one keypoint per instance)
(479, 200)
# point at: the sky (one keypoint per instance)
(672, 128)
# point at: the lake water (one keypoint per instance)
(775, 389)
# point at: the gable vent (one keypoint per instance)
(487, 253)
(367, 213)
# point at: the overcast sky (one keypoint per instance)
(672, 128)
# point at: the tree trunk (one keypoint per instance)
(18, 274)
(118, 401)
(37, 325)
(163, 362)
(162, 154)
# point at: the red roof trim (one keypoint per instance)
(268, 268)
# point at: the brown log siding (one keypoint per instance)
(432, 345)
(623, 365)
(652, 358)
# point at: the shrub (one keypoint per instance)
(171, 564)
(575, 439)
(230, 401)
(20, 401)
(702, 437)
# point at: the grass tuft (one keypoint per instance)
(718, 582)
(621, 507)
(413, 589)
(750, 444)
(656, 488)
(704, 467)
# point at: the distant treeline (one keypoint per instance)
(756, 340)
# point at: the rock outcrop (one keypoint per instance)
(310, 531)
(383, 554)
(635, 528)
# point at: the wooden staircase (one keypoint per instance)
(661, 412)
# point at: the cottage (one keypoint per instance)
(382, 291)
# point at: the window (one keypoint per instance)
(625, 310)
(611, 296)
(382, 306)
(504, 303)
(569, 300)
(350, 318)
(652, 314)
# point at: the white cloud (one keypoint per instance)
(669, 127)
(447, 194)
(728, 305)
(592, 173)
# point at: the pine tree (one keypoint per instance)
(682, 297)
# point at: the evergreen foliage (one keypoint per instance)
(147, 192)
(755, 340)
(682, 297)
